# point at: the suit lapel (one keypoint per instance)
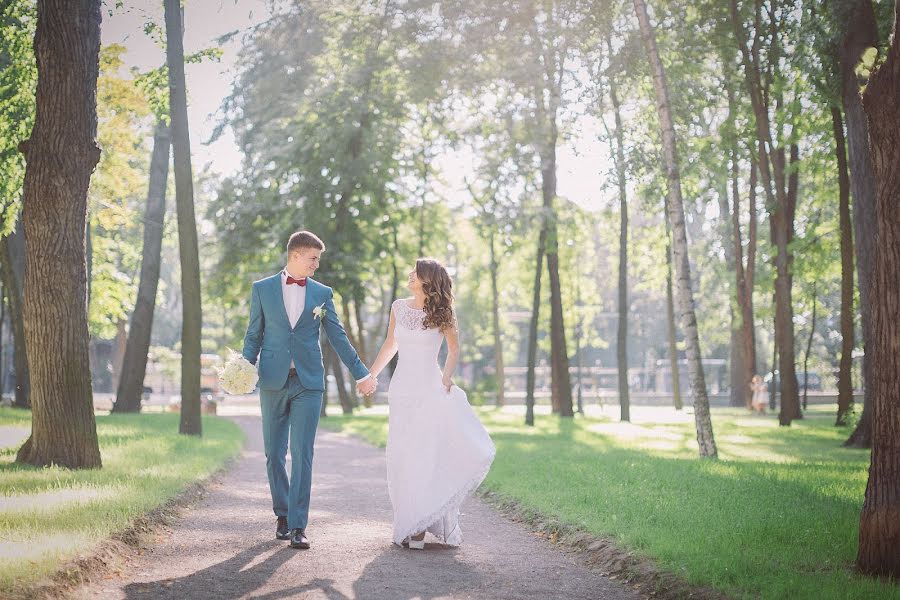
(278, 296)
(312, 288)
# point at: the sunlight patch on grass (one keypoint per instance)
(145, 463)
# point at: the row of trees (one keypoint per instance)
(47, 266)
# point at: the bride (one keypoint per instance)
(437, 450)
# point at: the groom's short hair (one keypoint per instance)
(304, 239)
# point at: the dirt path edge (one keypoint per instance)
(111, 554)
(602, 555)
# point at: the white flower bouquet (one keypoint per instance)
(238, 376)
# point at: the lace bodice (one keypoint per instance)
(411, 318)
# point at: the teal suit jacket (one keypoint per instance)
(271, 337)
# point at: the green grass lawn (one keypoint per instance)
(48, 516)
(775, 517)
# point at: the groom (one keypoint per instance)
(287, 311)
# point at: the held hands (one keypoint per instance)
(367, 387)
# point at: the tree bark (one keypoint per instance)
(845, 374)
(743, 330)
(347, 403)
(745, 276)
(533, 325)
(879, 522)
(685, 295)
(60, 156)
(134, 368)
(670, 328)
(622, 333)
(192, 312)
(861, 33)
(12, 271)
(809, 340)
(560, 382)
(498, 340)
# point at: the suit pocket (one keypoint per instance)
(266, 353)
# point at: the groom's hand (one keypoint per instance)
(367, 387)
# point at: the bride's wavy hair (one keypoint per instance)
(438, 289)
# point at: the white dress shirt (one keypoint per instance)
(294, 301)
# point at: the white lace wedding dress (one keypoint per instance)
(437, 451)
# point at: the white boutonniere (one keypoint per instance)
(319, 311)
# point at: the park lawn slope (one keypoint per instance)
(776, 517)
(52, 515)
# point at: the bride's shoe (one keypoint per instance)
(416, 544)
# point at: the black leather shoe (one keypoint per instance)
(281, 529)
(299, 539)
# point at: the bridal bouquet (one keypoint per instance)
(238, 376)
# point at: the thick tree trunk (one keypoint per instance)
(783, 234)
(60, 155)
(845, 381)
(879, 522)
(192, 312)
(685, 295)
(861, 33)
(622, 333)
(134, 368)
(495, 314)
(12, 270)
(533, 325)
(560, 382)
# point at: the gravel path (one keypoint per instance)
(224, 548)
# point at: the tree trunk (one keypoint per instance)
(685, 295)
(670, 328)
(134, 368)
(560, 383)
(357, 314)
(533, 325)
(118, 357)
(780, 183)
(809, 340)
(622, 333)
(743, 338)
(347, 403)
(192, 312)
(60, 156)
(12, 271)
(845, 380)
(879, 522)
(395, 286)
(498, 341)
(861, 33)
(783, 233)
(744, 278)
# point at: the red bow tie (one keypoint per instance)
(300, 282)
